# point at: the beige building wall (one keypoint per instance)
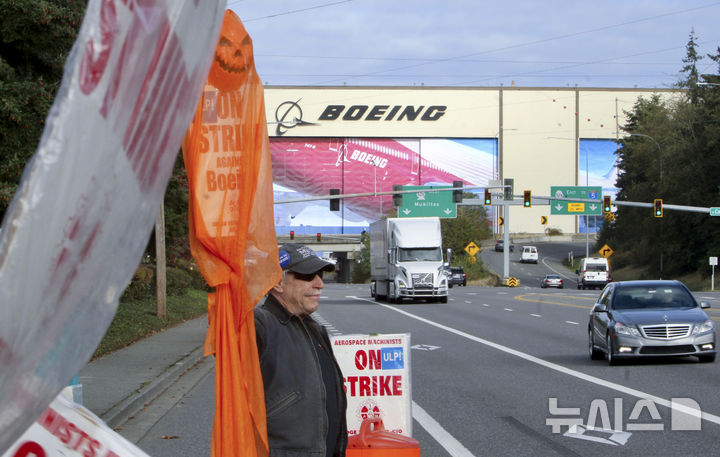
(538, 129)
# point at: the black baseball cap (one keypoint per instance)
(301, 259)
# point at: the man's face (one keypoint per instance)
(298, 296)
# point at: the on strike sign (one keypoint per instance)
(376, 370)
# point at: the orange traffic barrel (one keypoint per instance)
(374, 441)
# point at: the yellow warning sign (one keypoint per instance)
(472, 249)
(606, 251)
(575, 207)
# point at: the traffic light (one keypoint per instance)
(457, 194)
(527, 199)
(488, 197)
(510, 188)
(607, 205)
(334, 202)
(292, 234)
(397, 198)
(318, 237)
(658, 207)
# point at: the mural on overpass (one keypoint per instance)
(597, 166)
(306, 167)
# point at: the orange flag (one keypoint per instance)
(232, 236)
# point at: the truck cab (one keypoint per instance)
(406, 260)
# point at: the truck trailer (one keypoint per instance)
(406, 260)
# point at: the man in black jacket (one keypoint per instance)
(304, 396)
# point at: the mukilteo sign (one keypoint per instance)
(289, 114)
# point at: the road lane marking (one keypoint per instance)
(507, 309)
(550, 267)
(532, 299)
(485, 304)
(536, 315)
(445, 439)
(561, 369)
(571, 322)
(424, 347)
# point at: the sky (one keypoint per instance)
(478, 43)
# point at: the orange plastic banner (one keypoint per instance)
(232, 234)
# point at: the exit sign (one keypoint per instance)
(427, 201)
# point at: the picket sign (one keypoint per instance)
(376, 369)
(71, 430)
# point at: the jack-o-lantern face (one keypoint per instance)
(233, 55)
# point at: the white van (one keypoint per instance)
(593, 272)
(529, 254)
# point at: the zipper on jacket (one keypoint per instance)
(283, 403)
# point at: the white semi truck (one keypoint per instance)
(406, 260)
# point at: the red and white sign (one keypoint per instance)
(376, 370)
(69, 430)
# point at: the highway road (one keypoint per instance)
(550, 258)
(495, 372)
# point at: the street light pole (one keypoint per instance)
(587, 219)
(375, 164)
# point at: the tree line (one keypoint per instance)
(670, 151)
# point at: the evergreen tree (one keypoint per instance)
(35, 39)
(677, 166)
(689, 70)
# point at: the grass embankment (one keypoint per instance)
(136, 317)
(478, 274)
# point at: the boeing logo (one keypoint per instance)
(382, 113)
(289, 114)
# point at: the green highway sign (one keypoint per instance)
(428, 203)
(715, 211)
(576, 208)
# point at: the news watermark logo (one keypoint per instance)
(602, 426)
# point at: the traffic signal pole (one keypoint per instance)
(506, 239)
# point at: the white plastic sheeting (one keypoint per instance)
(81, 218)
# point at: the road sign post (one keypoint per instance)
(588, 204)
(606, 251)
(427, 201)
(713, 262)
(563, 202)
(472, 249)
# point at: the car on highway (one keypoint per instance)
(649, 319)
(456, 275)
(529, 254)
(500, 246)
(593, 272)
(552, 280)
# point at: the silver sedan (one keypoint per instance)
(647, 319)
